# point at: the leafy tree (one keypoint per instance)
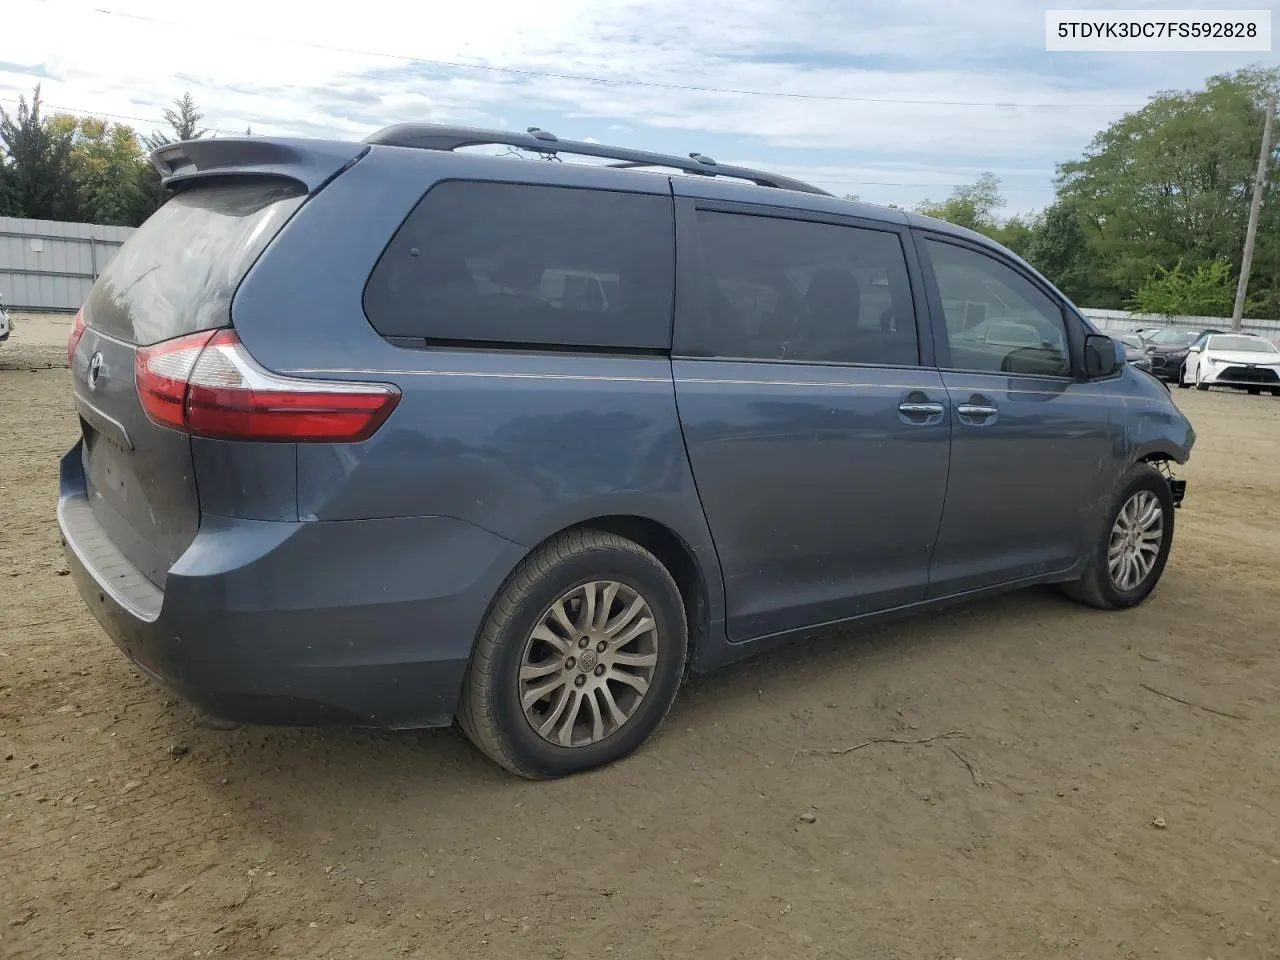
(1059, 250)
(183, 119)
(1016, 233)
(107, 164)
(1171, 183)
(1206, 291)
(8, 199)
(975, 205)
(38, 180)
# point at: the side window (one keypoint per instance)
(775, 289)
(997, 320)
(517, 263)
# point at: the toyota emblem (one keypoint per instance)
(95, 368)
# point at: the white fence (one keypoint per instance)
(1121, 321)
(50, 266)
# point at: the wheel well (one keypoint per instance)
(674, 554)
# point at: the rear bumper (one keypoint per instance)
(366, 622)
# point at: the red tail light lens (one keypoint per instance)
(162, 375)
(208, 385)
(77, 331)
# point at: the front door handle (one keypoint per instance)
(921, 409)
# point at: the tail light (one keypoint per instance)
(208, 385)
(77, 331)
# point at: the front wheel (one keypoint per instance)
(579, 659)
(1127, 561)
(1182, 378)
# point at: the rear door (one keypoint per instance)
(1034, 446)
(816, 427)
(175, 276)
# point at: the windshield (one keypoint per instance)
(1242, 345)
(1179, 337)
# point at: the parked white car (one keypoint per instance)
(1242, 360)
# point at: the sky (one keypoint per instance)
(896, 101)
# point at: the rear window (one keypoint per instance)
(521, 264)
(177, 274)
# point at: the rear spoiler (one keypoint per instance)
(312, 163)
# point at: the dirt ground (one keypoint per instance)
(1078, 810)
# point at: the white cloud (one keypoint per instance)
(252, 65)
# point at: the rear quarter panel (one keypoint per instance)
(521, 444)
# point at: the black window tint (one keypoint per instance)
(178, 272)
(775, 289)
(513, 263)
(997, 320)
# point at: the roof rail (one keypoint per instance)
(433, 136)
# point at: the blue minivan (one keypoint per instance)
(399, 432)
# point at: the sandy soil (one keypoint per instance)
(1076, 812)
(38, 330)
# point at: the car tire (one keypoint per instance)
(523, 648)
(1182, 378)
(1100, 585)
(1254, 391)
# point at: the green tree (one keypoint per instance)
(1171, 182)
(1206, 291)
(107, 166)
(1058, 249)
(974, 205)
(183, 119)
(1016, 233)
(38, 181)
(8, 199)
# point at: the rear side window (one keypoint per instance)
(177, 274)
(513, 263)
(776, 289)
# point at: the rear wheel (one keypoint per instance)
(579, 659)
(1127, 561)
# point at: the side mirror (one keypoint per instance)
(1101, 356)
